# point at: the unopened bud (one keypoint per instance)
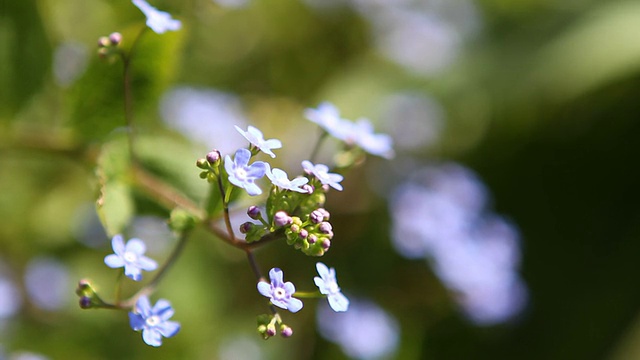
(303, 234)
(309, 189)
(281, 218)
(326, 244)
(312, 239)
(85, 302)
(115, 38)
(246, 227)
(316, 217)
(271, 330)
(202, 164)
(286, 331)
(213, 156)
(103, 41)
(325, 227)
(253, 212)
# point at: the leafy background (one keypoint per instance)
(541, 101)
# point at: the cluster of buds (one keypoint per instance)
(210, 165)
(108, 45)
(311, 236)
(268, 326)
(88, 296)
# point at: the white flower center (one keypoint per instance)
(152, 320)
(130, 257)
(241, 174)
(279, 293)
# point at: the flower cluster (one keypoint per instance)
(359, 133)
(281, 294)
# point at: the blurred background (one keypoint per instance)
(506, 226)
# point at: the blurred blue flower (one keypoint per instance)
(243, 175)
(130, 256)
(279, 178)
(279, 292)
(321, 172)
(327, 116)
(328, 285)
(153, 321)
(158, 21)
(361, 134)
(254, 136)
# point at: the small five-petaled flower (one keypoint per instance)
(153, 321)
(158, 21)
(130, 256)
(280, 292)
(243, 175)
(279, 178)
(254, 136)
(328, 285)
(321, 172)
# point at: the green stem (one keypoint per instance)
(316, 148)
(151, 286)
(308, 294)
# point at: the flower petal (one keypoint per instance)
(264, 288)
(276, 276)
(338, 302)
(168, 328)
(147, 264)
(289, 288)
(152, 337)
(323, 270)
(113, 261)
(252, 189)
(136, 246)
(117, 244)
(294, 305)
(143, 307)
(242, 157)
(272, 144)
(163, 309)
(257, 170)
(136, 321)
(132, 272)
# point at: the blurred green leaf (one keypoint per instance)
(115, 204)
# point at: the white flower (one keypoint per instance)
(328, 285)
(158, 21)
(254, 136)
(321, 172)
(279, 178)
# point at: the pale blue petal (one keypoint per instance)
(161, 308)
(132, 272)
(136, 321)
(307, 165)
(136, 246)
(228, 165)
(294, 305)
(242, 157)
(272, 144)
(257, 170)
(168, 328)
(276, 277)
(289, 288)
(321, 285)
(264, 288)
(117, 244)
(152, 337)
(323, 270)
(147, 264)
(114, 261)
(338, 302)
(280, 303)
(252, 189)
(143, 307)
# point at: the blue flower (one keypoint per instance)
(154, 322)
(279, 292)
(279, 178)
(242, 175)
(130, 256)
(328, 285)
(362, 135)
(321, 172)
(158, 21)
(327, 117)
(254, 136)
